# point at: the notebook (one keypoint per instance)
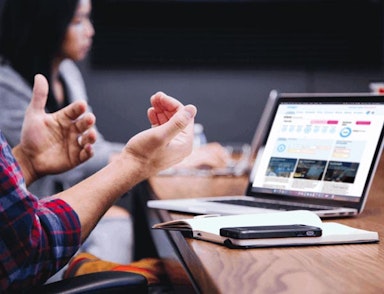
(208, 229)
(319, 152)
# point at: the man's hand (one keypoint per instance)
(169, 140)
(53, 143)
(166, 143)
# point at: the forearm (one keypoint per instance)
(92, 197)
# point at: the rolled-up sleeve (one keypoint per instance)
(37, 237)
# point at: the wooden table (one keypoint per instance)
(212, 268)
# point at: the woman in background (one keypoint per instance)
(48, 37)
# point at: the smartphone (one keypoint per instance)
(279, 231)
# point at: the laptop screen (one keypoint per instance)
(321, 148)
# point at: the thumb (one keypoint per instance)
(179, 121)
(40, 92)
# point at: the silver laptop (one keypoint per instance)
(319, 152)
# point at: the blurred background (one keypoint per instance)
(226, 56)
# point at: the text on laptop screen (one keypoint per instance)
(319, 150)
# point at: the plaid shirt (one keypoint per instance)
(37, 237)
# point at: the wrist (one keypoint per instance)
(25, 164)
(128, 170)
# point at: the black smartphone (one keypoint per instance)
(279, 231)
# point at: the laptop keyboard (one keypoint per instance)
(278, 206)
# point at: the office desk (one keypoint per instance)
(212, 268)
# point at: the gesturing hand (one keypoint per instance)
(53, 143)
(169, 140)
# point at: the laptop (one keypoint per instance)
(319, 152)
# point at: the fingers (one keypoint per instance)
(74, 110)
(168, 109)
(163, 101)
(87, 138)
(179, 121)
(40, 96)
(85, 122)
(40, 93)
(85, 142)
(163, 107)
(86, 153)
(152, 116)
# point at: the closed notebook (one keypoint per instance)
(207, 228)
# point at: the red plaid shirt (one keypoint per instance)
(37, 237)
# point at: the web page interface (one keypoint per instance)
(320, 150)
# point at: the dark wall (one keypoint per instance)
(225, 57)
(334, 50)
(229, 101)
(247, 33)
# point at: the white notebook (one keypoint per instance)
(207, 228)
